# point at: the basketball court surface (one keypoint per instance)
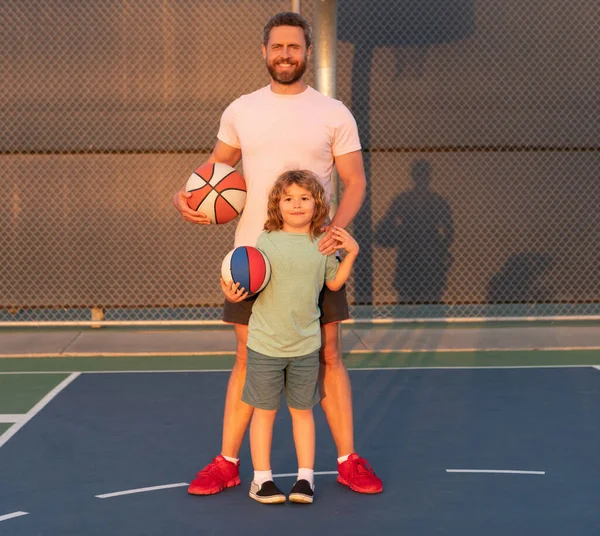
(475, 429)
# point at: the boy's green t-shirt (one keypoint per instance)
(285, 316)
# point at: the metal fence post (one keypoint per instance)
(325, 38)
(325, 41)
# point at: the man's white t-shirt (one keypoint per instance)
(277, 133)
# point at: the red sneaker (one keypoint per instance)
(215, 477)
(358, 475)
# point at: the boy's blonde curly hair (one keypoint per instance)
(305, 179)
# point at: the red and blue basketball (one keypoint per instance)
(218, 191)
(247, 266)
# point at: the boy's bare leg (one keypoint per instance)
(334, 383)
(261, 437)
(237, 414)
(303, 424)
(263, 489)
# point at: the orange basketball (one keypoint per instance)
(218, 191)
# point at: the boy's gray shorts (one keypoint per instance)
(267, 376)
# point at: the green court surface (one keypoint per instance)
(539, 358)
(19, 393)
(4, 427)
(83, 364)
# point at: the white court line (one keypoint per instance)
(597, 367)
(186, 371)
(317, 473)
(140, 490)
(130, 371)
(501, 471)
(37, 408)
(7, 417)
(181, 484)
(13, 515)
(480, 367)
(282, 475)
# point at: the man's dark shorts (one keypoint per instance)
(333, 306)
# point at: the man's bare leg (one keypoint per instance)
(334, 383)
(353, 471)
(237, 414)
(222, 473)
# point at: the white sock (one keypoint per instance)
(260, 477)
(229, 459)
(307, 474)
(342, 459)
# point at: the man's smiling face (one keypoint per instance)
(286, 54)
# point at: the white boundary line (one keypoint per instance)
(13, 515)
(481, 367)
(182, 484)
(501, 471)
(129, 371)
(317, 473)
(597, 367)
(37, 408)
(140, 490)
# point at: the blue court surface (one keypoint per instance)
(483, 451)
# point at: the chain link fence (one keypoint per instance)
(479, 121)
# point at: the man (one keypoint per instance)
(283, 126)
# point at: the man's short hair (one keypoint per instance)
(288, 18)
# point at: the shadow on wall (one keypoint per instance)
(522, 280)
(411, 27)
(419, 225)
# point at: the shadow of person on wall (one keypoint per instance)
(522, 279)
(419, 225)
(411, 28)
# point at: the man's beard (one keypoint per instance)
(290, 76)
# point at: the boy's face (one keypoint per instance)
(286, 54)
(297, 207)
